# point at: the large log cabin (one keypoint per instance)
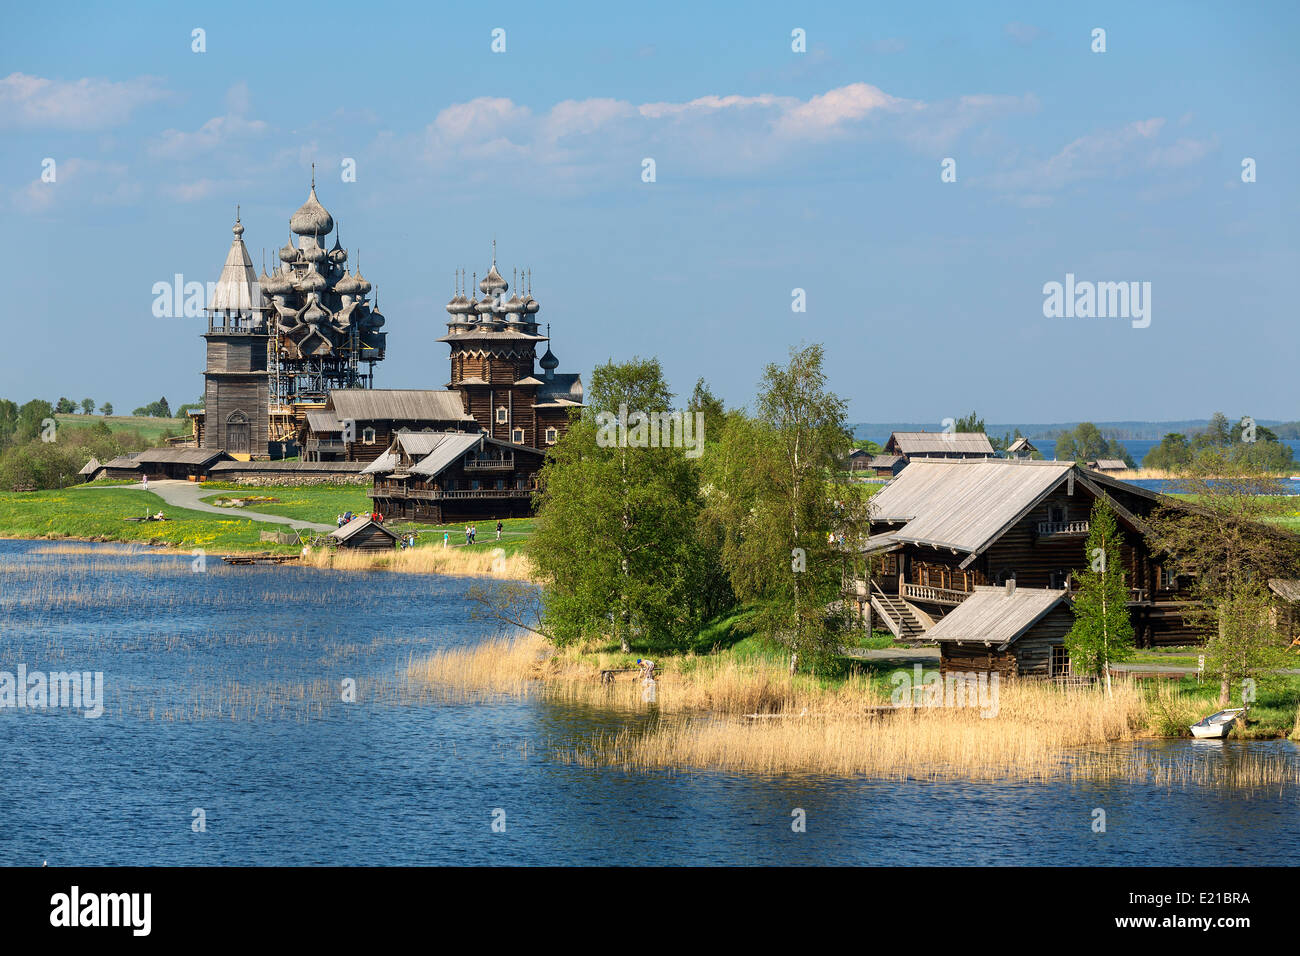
(439, 477)
(943, 528)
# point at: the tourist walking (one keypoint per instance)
(445, 536)
(498, 530)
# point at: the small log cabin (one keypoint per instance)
(1286, 607)
(1011, 631)
(364, 534)
(886, 466)
(913, 445)
(180, 463)
(941, 529)
(439, 477)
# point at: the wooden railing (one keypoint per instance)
(924, 592)
(504, 463)
(1062, 527)
(381, 491)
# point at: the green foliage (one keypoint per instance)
(776, 496)
(65, 406)
(715, 412)
(1255, 447)
(1087, 443)
(106, 408)
(1102, 633)
(87, 406)
(158, 409)
(617, 545)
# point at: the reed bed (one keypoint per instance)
(459, 562)
(717, 713)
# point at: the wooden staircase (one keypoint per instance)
(898, 617)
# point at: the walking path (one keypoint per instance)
(186, 494)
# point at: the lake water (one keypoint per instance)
(398, 779)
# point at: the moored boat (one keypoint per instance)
(1216, 726)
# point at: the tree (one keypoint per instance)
(1103, 632)
(715, 412)
(780, 497)
(1220, 537)
(65, 406)
(106, 408)
(8, 421)
(1173, 453)
(31, 420)
(616, 544)
(1086, 443)
(188, 407)
(87, 406)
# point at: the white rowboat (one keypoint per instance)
(1216, 726)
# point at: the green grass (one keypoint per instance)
(150, 430)
(324, 503)
(98, 513)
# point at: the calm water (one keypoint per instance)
(395, 780)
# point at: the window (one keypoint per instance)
(1060, 579)
(500, 484)
(551, 435)
(502, 415)
(367, 436)
(1056, 514)
(517, 436)
(1168, 580)
(1060, 661)
(474, 485)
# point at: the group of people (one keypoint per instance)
(471, 532)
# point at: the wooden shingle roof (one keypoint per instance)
(964, 503)
(397, 404)
(939, 443)
(995, 616)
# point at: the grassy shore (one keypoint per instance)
(97, 514)
(729, 703)
(150, 430)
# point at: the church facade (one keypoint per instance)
(291, 355)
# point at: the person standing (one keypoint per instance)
(498, 530)
(144, 481)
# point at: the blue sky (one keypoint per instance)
(775, 170)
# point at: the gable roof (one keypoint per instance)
(963, 504)
(397, 404)
(447, 451)
(939, 443)
(1021, 444)
(1108, 464)
(90, 467)
(991, 615)
(319, 421)
(359, 524)
(1288, 589)
(179, 456)
(884, 461)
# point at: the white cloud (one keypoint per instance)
(87, 103)
(220, 132)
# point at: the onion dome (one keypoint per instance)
(277, 283)
(531, 305)
(515, 306)
(363, 284)
(288, 253)
(312, 281)
(457, 305)
(484, 305)
(311, 219)
(493, 283)
(348, 285)
(314, 314)
(238, 228)
(338, 255)
(312, 252)
(375, 320)
(549, 361)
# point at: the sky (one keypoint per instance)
(774, 170)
